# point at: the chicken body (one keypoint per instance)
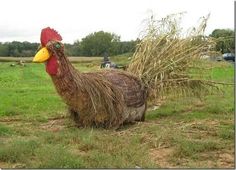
(107, 98)
(133, 99)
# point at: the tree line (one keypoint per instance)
(99, 43)
(224, 40)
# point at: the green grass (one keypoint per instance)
(56, 156)
(5, 131)
(27, 91)
(190, 148)
(227, 132)
(36, 133)
(18, 151)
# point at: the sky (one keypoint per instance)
(22, 20)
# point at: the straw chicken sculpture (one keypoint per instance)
(161, 65)
(106, 98)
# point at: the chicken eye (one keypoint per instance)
(58, 46)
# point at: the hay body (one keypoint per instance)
(103, 99)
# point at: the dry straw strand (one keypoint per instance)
(167, 59)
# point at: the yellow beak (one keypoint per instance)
(42, 55)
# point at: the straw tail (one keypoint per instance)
(167, 61)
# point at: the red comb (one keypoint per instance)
(48, 34)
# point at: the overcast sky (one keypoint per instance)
(22, 20)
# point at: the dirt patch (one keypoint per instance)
(7, 120)
(219, 159)
(199, 104)
(226, 160)
(54, 125)
(7, 165)
(4, 165)
(161, 156)
(202, 128)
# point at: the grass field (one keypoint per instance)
(35, 131)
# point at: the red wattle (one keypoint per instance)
(52, 66)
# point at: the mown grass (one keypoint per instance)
(5, 131)
(35, 131)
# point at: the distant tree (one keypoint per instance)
(4, 50)
(72, 49)
(75, 49)
(128, 46)
(18, 49)
(225, 40)
(97, 43)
